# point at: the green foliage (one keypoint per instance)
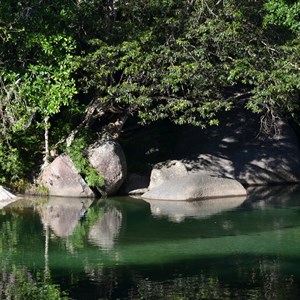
(283, 12)
(179, 60)
(10, 164)
(190, 60)
(77, 153)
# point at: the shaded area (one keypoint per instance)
(225, 277)
(240, 149)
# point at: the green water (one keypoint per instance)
(125, 248)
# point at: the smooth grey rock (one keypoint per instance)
(6, 197)
(164, 171)
(195, 186)
(201, 209)
(108, 158)
(62, 179)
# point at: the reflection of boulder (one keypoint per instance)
(178, 211)
(63, 214)
(104, 232)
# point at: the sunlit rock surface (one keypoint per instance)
(63, 214)
(164, 171)
(178, 211)
(105, 231)
(6, 197)
(109, 160)
(195, 186)
(62, 179)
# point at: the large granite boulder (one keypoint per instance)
(108, 158)
(165, 171)
(195, 186)
(241, 149)
(62, 179)
(6, 197)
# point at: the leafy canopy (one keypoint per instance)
(94, 63)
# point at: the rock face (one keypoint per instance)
(109, 160)
(165, 171)
(238, 149)
(195, 186)
(62, 179)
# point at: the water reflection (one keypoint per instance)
(263, 196)
(178, 211)
(63, 214)
(105, 230)
(125, 249)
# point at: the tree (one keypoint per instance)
(101, 61)
(36, 79)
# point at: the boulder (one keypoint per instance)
(6, 197)
(195, 186)
(108, 159)
(165, 171)
(62, 179)
(241, 150)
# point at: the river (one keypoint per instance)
(126, 248)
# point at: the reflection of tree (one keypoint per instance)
(78, 238)
(266, 282)
(19, 283)
(9, 234)
(16, 280)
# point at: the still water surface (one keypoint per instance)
(125, 248)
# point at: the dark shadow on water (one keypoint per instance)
(225, 277)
